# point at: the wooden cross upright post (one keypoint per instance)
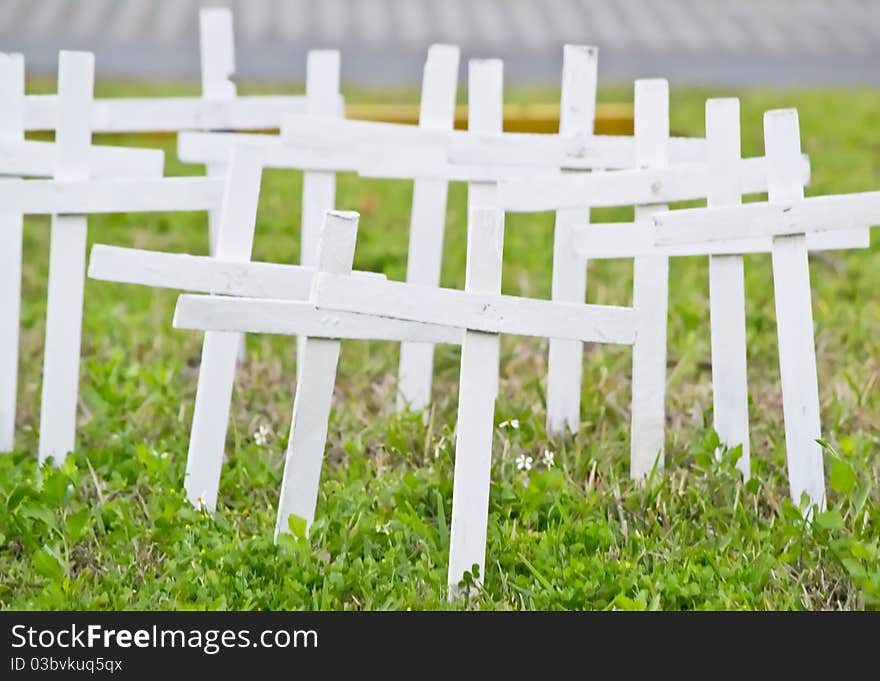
(217, 51)
(650, 292)
(577, 112)
(727, 298)
(790, 220)
(11, 131)
(321, 162)
(342, 306)
(428, 222)
(69, 198)
(478, 384)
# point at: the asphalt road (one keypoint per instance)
(804, 42)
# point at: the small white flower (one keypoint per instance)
(383, 528)
(510, 423)
(524, 463)
(549, 459)
(261, 435)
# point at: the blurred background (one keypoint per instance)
(691, 42)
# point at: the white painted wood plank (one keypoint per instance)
(650, 292)
(569, 283)
(575, 152)
(67, 255)
(211, 147)
(727, 300)
(79, 195)
(428, 222)
(601, 241)
(478, 384)
(220, 349)
(768, 219)
(204, 274)
(11, 130)
(171, 114)
(681, 182)
(301, 317)
(794, 318)
(217, 47)
(314, 388)
(484, 312)
(319, 187)
(32, 158)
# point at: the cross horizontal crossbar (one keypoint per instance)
(520, 149)
(681, 182)
(59, 197)
(597, 241)
(170, 114)
(39, 159)
(492, 313)
(212, 147)
(289, 317)
(203, 273)
(804, 216)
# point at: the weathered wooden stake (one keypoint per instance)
(478, 386)
(11, 130)
(314, 388)
(67, 260)
(428, 222)
(565, 359)
(794, 317)
(730, 397)
(220, 349)
(650, 292)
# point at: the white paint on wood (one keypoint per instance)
(33, 158)
(11, 130)
(650, 292)
(319, 187)
(76, 194)
(314, 388)
(478, 384)
(302, 317)
(67, 255)
(204, 274)
(680, 182)
(730, 395)
(815, 215)
(220, 349)
(565, 358)
(794, 318)
(170, 114)
(485, 312)
(217, 47)
(427, 222)
(628, 239)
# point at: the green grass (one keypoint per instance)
(110, 529)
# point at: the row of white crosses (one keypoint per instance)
(74, 115)
(789, 221)
(323, 301)
(367, 303)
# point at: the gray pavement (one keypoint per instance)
(776, 42)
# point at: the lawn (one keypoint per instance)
(110, 528)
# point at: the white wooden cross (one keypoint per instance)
(429, 194)
(219, 107)
(481, 310)
(653, 183)
(493, 156)
(69, 198)
(342, 306)
(790, 221)
(20, 157)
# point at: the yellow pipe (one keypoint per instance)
(611, 118)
